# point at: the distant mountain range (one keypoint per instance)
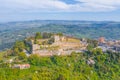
(12, 31)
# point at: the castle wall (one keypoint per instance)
(66, 46)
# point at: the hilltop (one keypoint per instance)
(55, 56)
(49, 44)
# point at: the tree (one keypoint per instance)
(19, 46)
(47, 35)
(97, 51)
(61, 77)
(16, 51)
(51, 40)
(60, 34)
(94, 43)
(34, 59)
(22, 56)
(34, 77)
(89, 47)
(38, 35)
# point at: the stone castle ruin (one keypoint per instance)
(56, 45)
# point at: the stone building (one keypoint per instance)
(101, 40)
(61, 45)
(21, 66)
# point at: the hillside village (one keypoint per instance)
(109, 45)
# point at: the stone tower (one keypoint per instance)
(56, 38)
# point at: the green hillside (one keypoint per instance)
(72, 67)
(92, 64)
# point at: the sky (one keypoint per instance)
(89, 10)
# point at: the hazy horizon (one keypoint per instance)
(57, 20)
(87, 10)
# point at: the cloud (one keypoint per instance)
(101, 2)
(58, 6)
(98, 5)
